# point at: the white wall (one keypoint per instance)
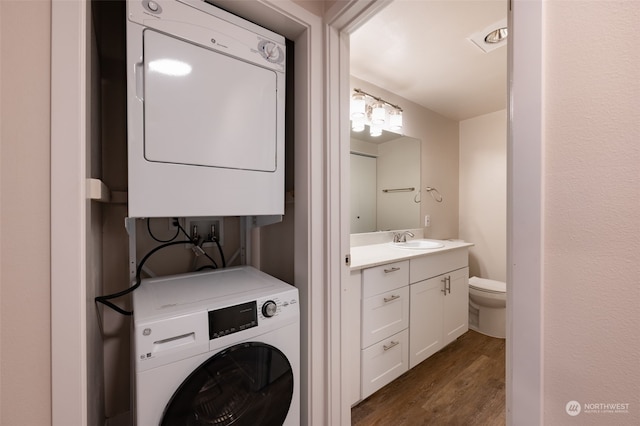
(483, 193)
(25, 333)
(591, 210)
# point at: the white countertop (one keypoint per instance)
(366, 256)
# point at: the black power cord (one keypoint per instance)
(159, 240)
(224, 263)
(105, 300)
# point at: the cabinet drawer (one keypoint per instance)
(384, 314)
(384, 362)
(430, 266)
(385, 278)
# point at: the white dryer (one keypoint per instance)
(216, 348)
(205, 112)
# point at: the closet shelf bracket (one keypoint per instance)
(98, 191)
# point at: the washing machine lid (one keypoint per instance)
(163, 297)
(487, 285)
(241, 385)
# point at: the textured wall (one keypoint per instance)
(592, 204)
(25, 326)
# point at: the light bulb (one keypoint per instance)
(395, 119)
(357, 124)
(357, 106)
(378, 114)
(375, 130)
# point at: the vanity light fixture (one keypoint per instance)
(376, 112)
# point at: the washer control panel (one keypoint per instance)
(232, 319)
(276, 306)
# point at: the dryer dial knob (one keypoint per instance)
(269, 308)
(270, 51)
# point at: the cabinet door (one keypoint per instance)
(425, 319)
(384, 362)
(456, 305)
(384, 314)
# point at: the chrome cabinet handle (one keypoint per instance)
(390, 345)
(447, 285)
(386, 271)
(392, 297)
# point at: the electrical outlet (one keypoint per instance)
(427, 220)
(205, 228)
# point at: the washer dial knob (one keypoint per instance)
(270, 51)
(269, 308)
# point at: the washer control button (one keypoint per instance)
(269, 308)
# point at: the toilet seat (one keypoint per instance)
(488, 286)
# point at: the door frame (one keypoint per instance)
(69, 133)
(70, 129)
(524, 352)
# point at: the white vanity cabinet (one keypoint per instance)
(385, 318)
(401, 312)
(439, 303)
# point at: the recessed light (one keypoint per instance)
(496, 36)
(491, 37)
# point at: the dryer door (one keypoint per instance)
(204, 108)
(246, 384)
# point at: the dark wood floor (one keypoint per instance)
(463, 384)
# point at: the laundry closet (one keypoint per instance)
(156, 153)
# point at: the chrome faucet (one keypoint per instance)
(401, 237)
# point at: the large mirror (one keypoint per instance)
(385, 182)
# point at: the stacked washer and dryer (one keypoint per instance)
(205, 130)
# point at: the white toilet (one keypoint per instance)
(488, 306)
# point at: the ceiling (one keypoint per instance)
(421, 50)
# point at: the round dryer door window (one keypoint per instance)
(246, 384)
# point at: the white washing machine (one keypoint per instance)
(216, 348)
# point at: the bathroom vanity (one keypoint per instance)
(404, 305)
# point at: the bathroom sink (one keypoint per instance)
(419, 244)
